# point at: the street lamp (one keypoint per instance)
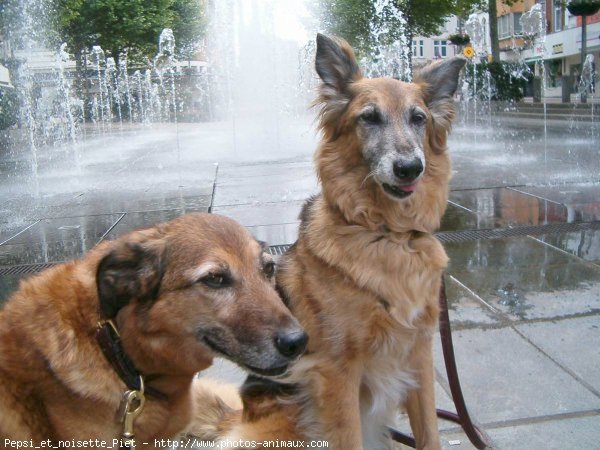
(583, 8)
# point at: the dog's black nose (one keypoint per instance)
(408, 171)
(291, 343)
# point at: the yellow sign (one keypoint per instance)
(469, 52)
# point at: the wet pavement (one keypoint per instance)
(525, 306)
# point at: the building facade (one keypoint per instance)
(562, 49)
(426, 49)
(557, 46)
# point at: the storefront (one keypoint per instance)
(562, 54)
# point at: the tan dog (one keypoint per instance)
(178, 293)
(364, 276)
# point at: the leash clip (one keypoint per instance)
(131, 406)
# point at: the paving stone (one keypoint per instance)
(501, 207)
(11, 229)
(276, 234)
(583, 244)
(52, 240)
(580, 200)
(581, 433)
(457, 218)
(567, 194)
(137, 220)
(505, 378)
(263, 213)
(262, 191)
(465, 309)
(574, 343)
(455, 440)
(524, 278)
(270, 173)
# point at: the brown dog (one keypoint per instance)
(178, 293)
(364, 276)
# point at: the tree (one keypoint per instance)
(350, 19)
(493, 21)
(18, 26)
(115, 25)
(131, 26)
(189, 25)
(355, 20)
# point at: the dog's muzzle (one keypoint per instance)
(407, 175)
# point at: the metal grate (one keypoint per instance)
(446, 237)
(529, 230)
(25, 269)
(277, 250)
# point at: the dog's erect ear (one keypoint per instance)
(439, 81)
(336, 64)
(131, 271)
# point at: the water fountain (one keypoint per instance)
(501, 135)
(251, 88)
(260, 89)
(255, 87)
(64, 191)
(389, 59)
(471, 94)
(586, 83)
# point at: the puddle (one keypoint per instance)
(514, 299)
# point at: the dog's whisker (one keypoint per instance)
(369, 175)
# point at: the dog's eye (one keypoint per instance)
(269, 269)
(216, 280)
(418, 118)
(372, 117)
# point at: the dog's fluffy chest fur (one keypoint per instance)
(399, 271)
(367, 294)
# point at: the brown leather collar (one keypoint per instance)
(109, 341)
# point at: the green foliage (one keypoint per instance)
(189, 25)
(459, 39)
(426, 17)
(583, 7)
(14, 26)
(353, 19)
(9, 107)
(350, 19)
(127, 25)
(506, 85)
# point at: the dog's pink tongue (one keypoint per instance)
(409, 187)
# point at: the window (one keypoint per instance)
(440, 48)
(504, 26)
(557, 15)
(509, 25)
(418, 48)
(517, 24)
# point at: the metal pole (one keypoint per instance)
(582, 84)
